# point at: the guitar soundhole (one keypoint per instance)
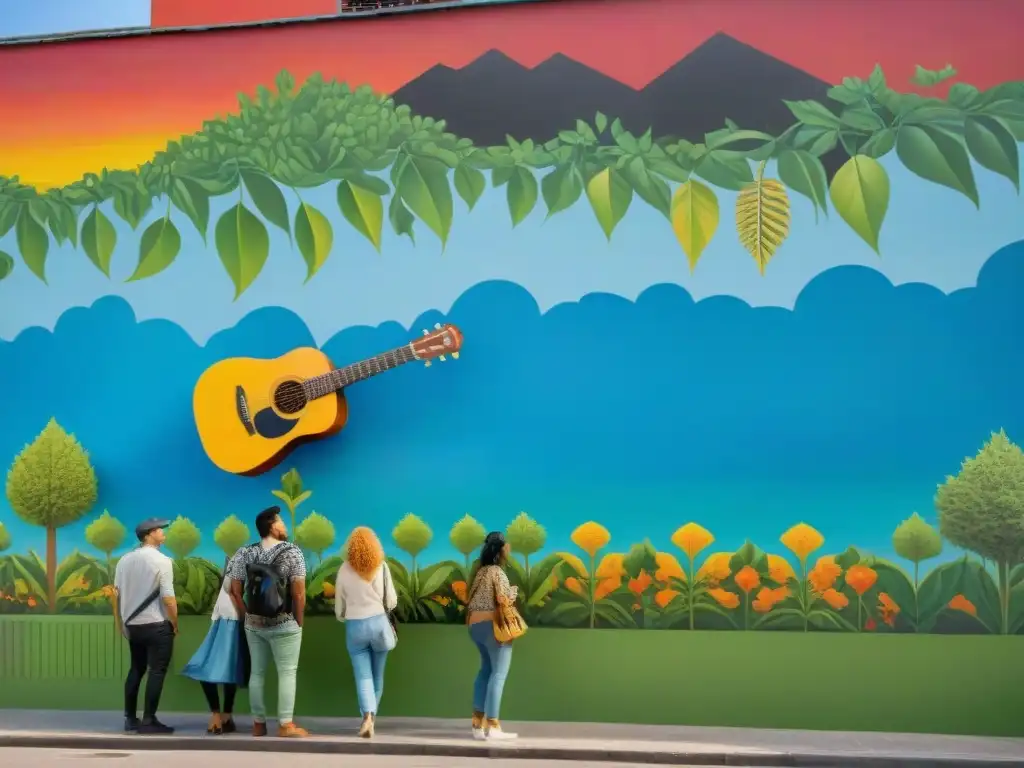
(290, 397)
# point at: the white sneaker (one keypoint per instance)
(496, 734)
(478, 734)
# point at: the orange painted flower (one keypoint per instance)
(640, 584)
(328, 590)
(32, 602)
(961, 603)
(870, 625)
(860, 578)
(605, 587)
(665, 596)
(611, 567)
(836, 600)
(747, 579)
(802, 540)
(573, 585)
(440, 599)
(591, 537)
(779, 569)
(692, 539)
(768, 598)
(824, 574)
(668, 568)
(725, 598)
(716, 568)
(888, 610)
(459, 590)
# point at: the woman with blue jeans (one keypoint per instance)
(364, 596)
(490, 586)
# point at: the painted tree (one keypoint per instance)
(916, 541)
(291, 493)
(230, 535)
(315, 533)
(412, 536)
(5, 538)
(981, 509)
(467, 535)
(52, 483)
(183, 536)
(106, 533)
(525, 537)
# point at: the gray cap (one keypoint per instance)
(147, 526)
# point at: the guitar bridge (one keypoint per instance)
(242, 406)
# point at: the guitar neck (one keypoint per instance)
(339, 378)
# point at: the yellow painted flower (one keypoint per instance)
(725, 598)
(716, 567)
(591, 537)
(779, 569)
(440, 600)
(747, 578)
(610, 567)
(802, 540)
(692, 539)
(668, 568)
(328, 590)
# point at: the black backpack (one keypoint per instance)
(267, 591)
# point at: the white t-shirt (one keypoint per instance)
(357, 598)
(139, 573)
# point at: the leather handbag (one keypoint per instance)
(392, 619)
(508, 623)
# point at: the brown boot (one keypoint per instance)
(291, 731)
(478, 725)
(259, 729)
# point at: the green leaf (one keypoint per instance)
(649, 188)
(568, 614)
(469, 183)
(993, 145)
(401, 220)
(862, 119)
(33, 242)
(803, 172)
(268, 199)
(521, 194)
(600, 122)
(6, 264)
(243, 246)
(99, 239)
(131, 206)
(314, 236)
(158, 248)
(561, 188)
(860, 194)
(424, 188)
(929, 77)
(610, 195)
(881, 143)
(940, 586)
(695, 217)
(813, 113)
(432, 584)
(937, 155)
(363, 209)
(725, 169)
(501, 175)
(189, 198)
(8, 216)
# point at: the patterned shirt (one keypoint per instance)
(489, 579)
(289, 561)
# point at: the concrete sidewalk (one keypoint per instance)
(589, 742)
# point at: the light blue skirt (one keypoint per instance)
(219, 658)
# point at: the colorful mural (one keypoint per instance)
(735, 312)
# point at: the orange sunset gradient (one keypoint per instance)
(76, 107)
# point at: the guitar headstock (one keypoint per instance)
(443, 342)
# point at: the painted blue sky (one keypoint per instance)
(931, 235)
(53, 17)
(844, 412)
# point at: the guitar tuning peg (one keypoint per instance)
(441, 358)
(455, 355)
(437, 326)
(426, 363)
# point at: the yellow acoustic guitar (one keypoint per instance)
(251, 413)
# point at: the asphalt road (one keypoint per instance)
(63, 758)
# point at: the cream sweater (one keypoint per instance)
(357, 598)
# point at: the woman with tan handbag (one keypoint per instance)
(494, 623)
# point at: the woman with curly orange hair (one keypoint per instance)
(364, 598)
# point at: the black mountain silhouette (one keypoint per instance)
(722, 78)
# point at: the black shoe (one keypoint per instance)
(228, 726)
(155, 728)
(131, 724)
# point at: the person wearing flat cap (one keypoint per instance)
(147, 615)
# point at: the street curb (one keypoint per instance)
(760, 759)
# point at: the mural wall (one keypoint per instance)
(741, 316)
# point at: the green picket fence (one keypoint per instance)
(63, 648)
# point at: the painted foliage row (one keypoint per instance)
(981, 509)
(389, 164)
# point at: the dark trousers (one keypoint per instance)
(151, 646)
(213, 700)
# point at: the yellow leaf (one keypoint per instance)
(694, 218)
(860, 193)
(610, 195)
(762, 217)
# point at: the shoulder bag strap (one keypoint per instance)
(150, 599)
(384, 597)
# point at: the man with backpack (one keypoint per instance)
(268, 583)
(146, 613)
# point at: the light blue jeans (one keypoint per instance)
(495, 659)
(368, 642)
(282, 644)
